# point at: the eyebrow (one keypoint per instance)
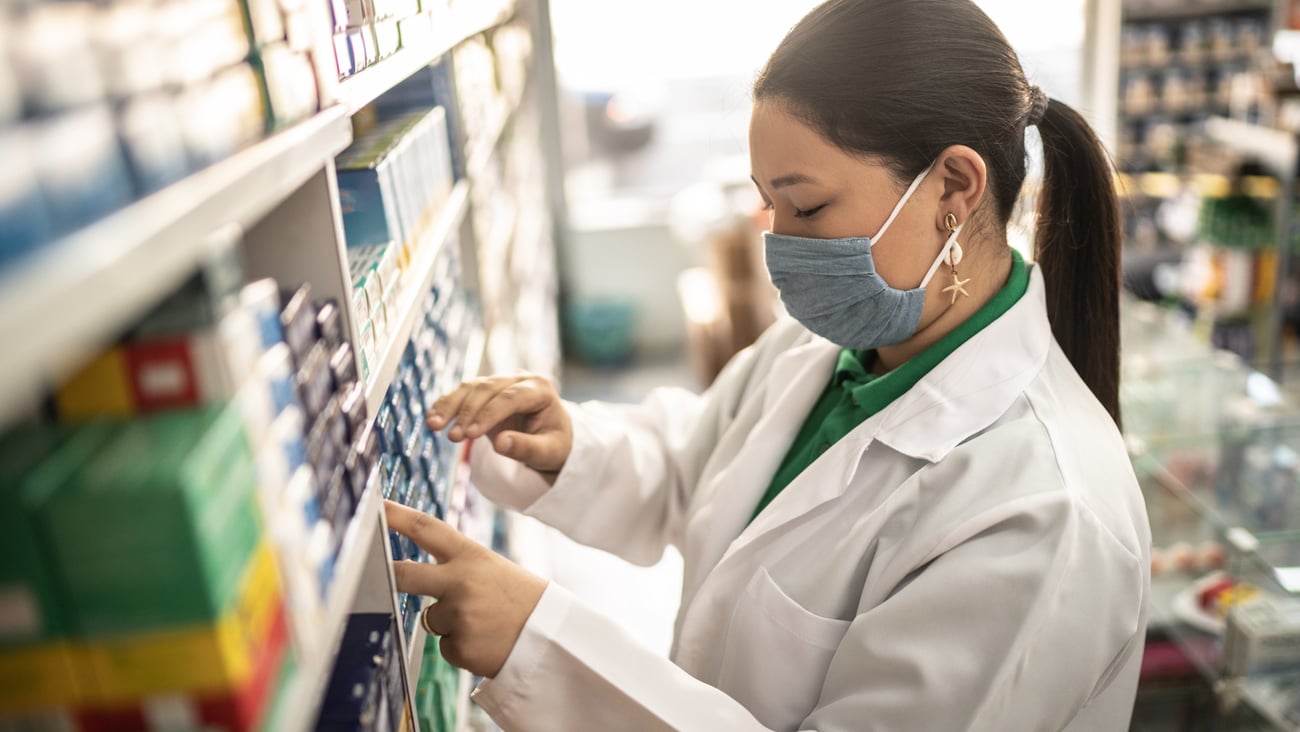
(786, 181)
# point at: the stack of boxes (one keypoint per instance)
(368, 31)
(157, 535)
(366, 692)
(101, 103)
(416, 466)
(393, 183)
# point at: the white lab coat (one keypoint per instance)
(973, 557)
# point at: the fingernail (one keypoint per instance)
(435, 420)
(456, 432)
(473, 430)
(507, 443)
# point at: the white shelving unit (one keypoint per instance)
(278, 202)
(77, 292)
(356, 575)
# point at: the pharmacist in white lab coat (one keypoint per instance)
(908, 506)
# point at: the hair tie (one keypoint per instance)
(1038, 102)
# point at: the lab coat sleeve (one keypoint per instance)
(574, 669)
(632, 469)
(1017, 622)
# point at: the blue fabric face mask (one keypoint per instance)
(832, 288)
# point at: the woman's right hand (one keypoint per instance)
(522, 415)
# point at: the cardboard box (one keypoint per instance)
(156, 528)
(205, 658)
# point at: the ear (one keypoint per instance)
(965, 177)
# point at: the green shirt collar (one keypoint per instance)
(873, 393)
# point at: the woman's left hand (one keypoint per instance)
(483, 599)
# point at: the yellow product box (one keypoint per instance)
(42, 676)
(101, 389)
(192, 659)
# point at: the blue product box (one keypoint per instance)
(369, 203)
(386, 429)
(358, 48)
(79, 165)
(151, 137)
(402, 481)
(387, 466)
(25, 222)
(344, 62)
(276, 368)
(404, 427)
(262, 299)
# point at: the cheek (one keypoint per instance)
(905, 254)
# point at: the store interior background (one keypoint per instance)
(260, 237)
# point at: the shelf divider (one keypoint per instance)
(306, 692)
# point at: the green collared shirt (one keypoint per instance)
(854, 394)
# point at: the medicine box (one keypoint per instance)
(80, 167)
(208, 657)
(239, 709)
(25, 220)
(189, 478)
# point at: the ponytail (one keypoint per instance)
(1077, 248)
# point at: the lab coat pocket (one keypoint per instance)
(777, 654)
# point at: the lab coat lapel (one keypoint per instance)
(792, 386)
(962, 395)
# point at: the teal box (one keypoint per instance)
(156, 530)
(369, 202)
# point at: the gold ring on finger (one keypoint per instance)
(424, 621)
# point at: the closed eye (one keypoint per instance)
(808, 214)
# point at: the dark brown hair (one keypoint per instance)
(902, 80)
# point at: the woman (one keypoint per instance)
(906, 508)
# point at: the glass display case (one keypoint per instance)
(1215, 444)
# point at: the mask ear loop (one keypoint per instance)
(902, 202)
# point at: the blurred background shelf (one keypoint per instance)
(77, 292)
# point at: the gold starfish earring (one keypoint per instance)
(958, 286)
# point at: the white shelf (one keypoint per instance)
(76, 293)
(307, 690)
(370, 83)
(1196, 8)
(1274, 148)
(416, 282)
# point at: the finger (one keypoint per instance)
(446, 405)
(440, 619)
(467, 414)
(421, 578)
(542, 452)
(428, 533)
(522, 397)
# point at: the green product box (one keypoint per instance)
(157, 529)
(35, 460)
